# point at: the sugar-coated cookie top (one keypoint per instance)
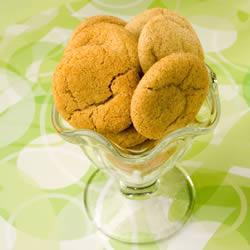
(93, 89)
(110, 36)
(97, 19)
(164, 35)
(169, 95)
(137, 23)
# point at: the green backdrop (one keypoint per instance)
(42, 177)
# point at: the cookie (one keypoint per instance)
(169, 95)
(127, 138)
(162, 36)
(111, 37)
(92, 89)
(97, 19)
(136, 25)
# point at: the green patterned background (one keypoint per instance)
(42, 177)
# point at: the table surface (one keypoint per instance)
(42, 177)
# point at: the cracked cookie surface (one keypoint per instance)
(127, 138)
(110, 36)
(163, 35)
(136, 25)
(169, 95)
(93, 87)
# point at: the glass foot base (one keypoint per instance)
(155, 216)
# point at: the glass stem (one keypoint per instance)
(139, 193)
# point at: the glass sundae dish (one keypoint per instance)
(139, 195)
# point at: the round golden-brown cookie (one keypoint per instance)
(169, 95)
(127, 138)
(93, 88)
(97, 19)
(110, 36)
(136, 25)
(162, 36)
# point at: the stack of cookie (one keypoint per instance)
(132, 81)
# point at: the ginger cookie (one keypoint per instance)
(127, 138)
(162, 36)
(92, 89)
(110, 36)
(136, 25)
(169, 95)
(97, 19)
